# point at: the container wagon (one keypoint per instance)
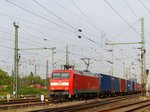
(128, 87)
(132, 87)
(115, 86)
(105, 85)
(122, 86)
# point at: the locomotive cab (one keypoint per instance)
(59, 83)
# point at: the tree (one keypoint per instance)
(5, 79)
(32, 80)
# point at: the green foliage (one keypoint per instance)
(6, 89)
(31, 80)
(30, 90)
(27, 90)
(5, 79)
(25, 84)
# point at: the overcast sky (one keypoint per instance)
(55, 23)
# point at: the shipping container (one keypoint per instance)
(132, 86)
(105, 83)
(136, 87)
(115, 85)
(122, 85)
(128, 86)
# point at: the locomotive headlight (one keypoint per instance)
(65, 83)
(66, 88)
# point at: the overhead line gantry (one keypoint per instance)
(144, 72)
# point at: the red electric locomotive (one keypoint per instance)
(73, 83)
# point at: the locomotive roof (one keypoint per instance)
(84, 73)
(77, 72)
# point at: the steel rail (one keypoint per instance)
(83, 106)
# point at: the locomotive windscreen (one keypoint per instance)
(60, 75)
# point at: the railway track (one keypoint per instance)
(139, 107)
(129, 107)
(13, 104)
(85, 106)
(23, 103)
(18, 101)
(3, 102)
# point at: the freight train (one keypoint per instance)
(81, 84)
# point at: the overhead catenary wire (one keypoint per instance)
(65, 22)
(44, 18)
(83, 36)
(148, 12)
(48, 20)
(136, 15)
(59, 50)
(23, 38)
(88, 19)
(144, 6)
(68, 10)
(5, 34)
(131, 9)
(134, 12)
(32, 41)
(91, 40)
(12, 40)
(33, 24)
(55, 15)
(80, 18)
(2, 40)
(85, 15)
(123, 31)
(131, 26)
(121, 17)
(10, 34)
(46, 39)
(6, 47)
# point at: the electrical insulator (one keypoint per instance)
(79, 30)
(79, 36)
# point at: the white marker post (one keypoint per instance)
(42, 98)
(8, 97)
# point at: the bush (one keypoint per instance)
(30, 90)
(6, 88)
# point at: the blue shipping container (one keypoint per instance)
(138, 87)
(128, 86)
(105, 83)
(115, 84)
(132, 87)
